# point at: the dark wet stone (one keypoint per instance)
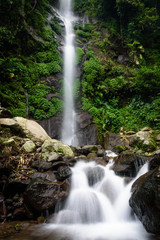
(145, 200)
(41, 194)
(63, 172)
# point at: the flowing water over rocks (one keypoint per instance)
(96, 208)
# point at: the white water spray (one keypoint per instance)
(97, 207)
(68, 127)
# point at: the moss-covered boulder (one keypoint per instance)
(56, 146)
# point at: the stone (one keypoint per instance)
(43, 195)
(41, 165)
(50, 176)
(86, 149)
(154, 161)
(54, 157)
(157, 137)
(100, 153)
(112, 140)
(56, 146)
(5, 113)
(92, 156)
(128, 163)
(32, 129)
(63, 173)
(145, 200)
(143, 140)
(9, 122)
(29, 146)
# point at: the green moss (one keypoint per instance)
(120, 148)
(93, 149)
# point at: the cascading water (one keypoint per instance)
(97, 207)
(68, 128)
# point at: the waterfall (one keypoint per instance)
(68, 127)
(97, 207)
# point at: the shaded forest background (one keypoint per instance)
(120, 84)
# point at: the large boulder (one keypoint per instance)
(42, 194)
(26, 128)
(32, 129)
(145, 200)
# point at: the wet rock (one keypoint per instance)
(5, 113)
(128, 163)
(63, 173)
(58, 164)
(41, 194)
(112, 140)
(94, 174)
(145, 200)
(29, 146)
(154, 161)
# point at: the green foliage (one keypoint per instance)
(148, 80)
(79, 55)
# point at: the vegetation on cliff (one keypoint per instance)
(28, 54)
(121, 80)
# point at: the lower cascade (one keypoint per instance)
(97, 207)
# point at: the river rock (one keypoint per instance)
(128, 163)
(43, 195)
(29, 146)
(56, 146)
(145, 200)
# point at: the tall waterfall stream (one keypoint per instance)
(68, 128)
(97, 207)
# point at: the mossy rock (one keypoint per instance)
(56, 146)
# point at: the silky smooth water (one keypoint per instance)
(97, 207)
(68, 127)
